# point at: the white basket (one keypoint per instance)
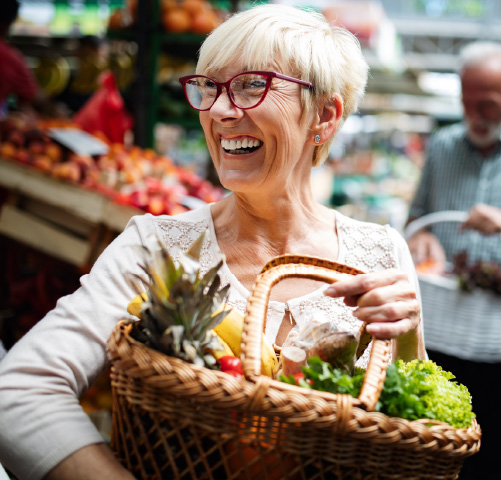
(463, 324)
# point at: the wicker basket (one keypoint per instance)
(172, 419)
(448, 311)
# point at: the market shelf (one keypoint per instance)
(67, 221)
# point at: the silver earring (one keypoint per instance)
(317, 139)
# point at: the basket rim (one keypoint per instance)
(131, 358)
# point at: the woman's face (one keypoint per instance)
(281, 148)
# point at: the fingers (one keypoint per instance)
(391, 330)
(484, 218)
(356, 285)
(427, 253)
(385, 300)
(421, 252)
(421, 247)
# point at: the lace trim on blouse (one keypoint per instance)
(365, 246)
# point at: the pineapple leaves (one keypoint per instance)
(195, 249)
(178, 316)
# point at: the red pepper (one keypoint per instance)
(231, 364)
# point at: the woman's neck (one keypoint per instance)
(249, 237)
(283, 226)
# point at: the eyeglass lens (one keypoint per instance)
(245, 90)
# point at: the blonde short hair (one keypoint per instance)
(329, 57)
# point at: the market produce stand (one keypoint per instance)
(64, 220)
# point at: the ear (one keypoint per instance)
(327, 119)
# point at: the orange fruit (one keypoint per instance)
(194, 6)
(204, 22)
(116, 20)
(176, 20)
(427, 266)
(167, 5)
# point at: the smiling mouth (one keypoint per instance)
(240, 146)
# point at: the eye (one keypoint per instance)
(249, 84)
(255, 83)
(208, 83)
(206, 86)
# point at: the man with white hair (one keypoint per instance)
(463, 172)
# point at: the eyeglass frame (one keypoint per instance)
(219, 85)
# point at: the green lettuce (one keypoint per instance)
(419, 389)
(422, 389)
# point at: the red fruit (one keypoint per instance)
(155, 205)
(16, 137)
(231, 364)
(300, 376)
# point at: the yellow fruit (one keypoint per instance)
(134, 307)
(230, 331)
(225, 350)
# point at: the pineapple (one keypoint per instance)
(180, 312)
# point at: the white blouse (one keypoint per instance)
(44, 374)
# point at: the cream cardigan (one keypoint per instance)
(44, 374)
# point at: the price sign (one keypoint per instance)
(78, 141)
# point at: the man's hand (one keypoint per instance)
(426, 249)
(483, 218)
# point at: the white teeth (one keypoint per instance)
(239, 144)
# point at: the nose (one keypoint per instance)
(223, 107)
(472, 111)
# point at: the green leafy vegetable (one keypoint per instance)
(441, 397)
(328, 379)
(414, 390)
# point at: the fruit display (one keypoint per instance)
(183, 314)
(176, 16)
(129, 175)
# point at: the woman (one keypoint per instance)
(265, 131)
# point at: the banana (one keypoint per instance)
(269, 361)
(134, 307)
(225, 351)
(230, 331)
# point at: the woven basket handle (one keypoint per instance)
(289, 266)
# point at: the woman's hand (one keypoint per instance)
(388, 303)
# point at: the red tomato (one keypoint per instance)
(229, 363)
(300, 376)
(233, 373)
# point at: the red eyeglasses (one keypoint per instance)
(245, 90)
